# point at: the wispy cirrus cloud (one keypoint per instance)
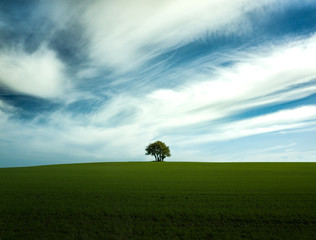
(297, 118)
(253, 81)
(124, 35)
(186, 115)
(99, 80)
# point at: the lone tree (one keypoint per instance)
(159, 150)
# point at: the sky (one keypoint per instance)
(216, 80)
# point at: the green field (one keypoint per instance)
(159, 201)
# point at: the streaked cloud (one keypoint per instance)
(93, 81)
(282, 120)
(124, 35)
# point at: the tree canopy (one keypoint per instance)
(159, 150)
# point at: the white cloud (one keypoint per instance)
(125, 34)
(249, 84)
(257, 80)
(285, 119)
(39, 74)
(298, 118)
(279, 155)
(128, 119)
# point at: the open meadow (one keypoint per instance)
(159, 201)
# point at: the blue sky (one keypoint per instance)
(216, 80)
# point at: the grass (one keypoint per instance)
(159, 201)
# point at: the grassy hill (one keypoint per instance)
(159, 201)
